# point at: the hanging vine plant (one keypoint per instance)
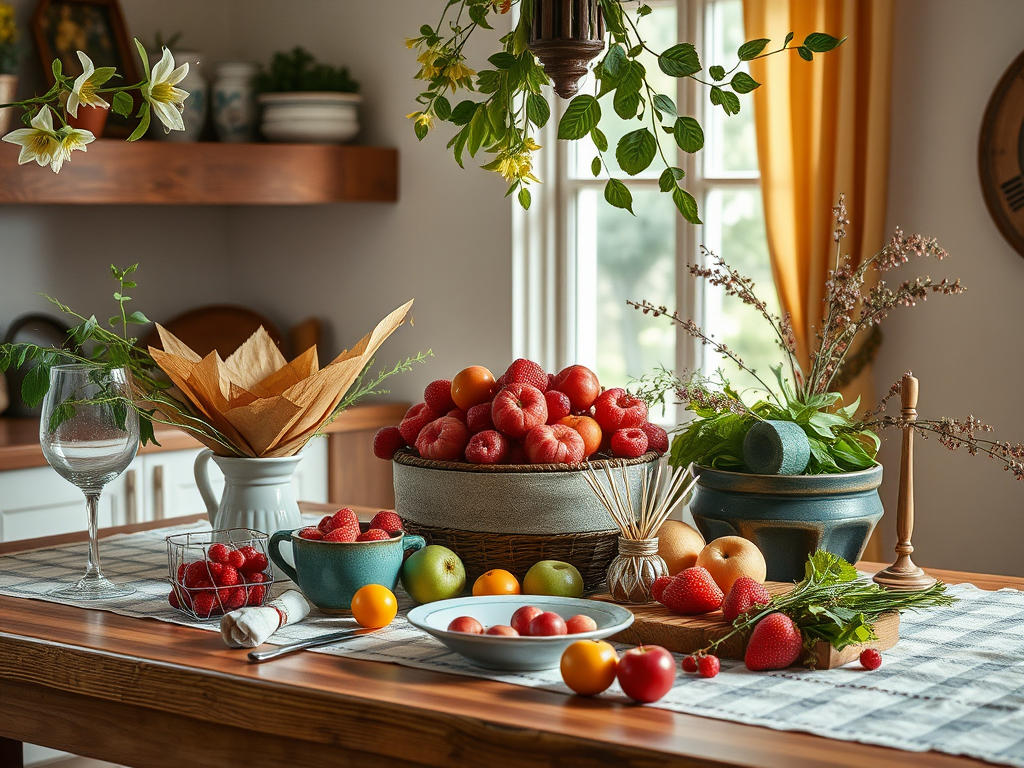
(558, 38)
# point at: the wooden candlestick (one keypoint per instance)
(904, 574)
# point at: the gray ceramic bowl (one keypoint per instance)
(518, 654)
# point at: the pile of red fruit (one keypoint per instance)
(343, 526)
(228, 578)
(528, 621)
(525, 416)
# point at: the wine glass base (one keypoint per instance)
(92, 588)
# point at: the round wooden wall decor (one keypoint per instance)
(1001, 154)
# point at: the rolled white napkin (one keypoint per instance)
(249, 627)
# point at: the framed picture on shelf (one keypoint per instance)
(61, 28)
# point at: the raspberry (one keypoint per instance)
(692, 591)
(374, 534)
(218, 553)
(344, 516)
(744, 594)
(387, 442)
(775, 643)
(415, 419)
(616, 409)
(387, 520)
(205, 604)
(181, 573)
(255, 595)
(313, 534)
(457, 413)
(487, 447)
(254, 560)
(224, 575)
(689, 664)
(197, 574)
(173, 599)
(438, 395)
(347, 532)
(523, 371)
(870, 658)
(658, 586)
(657, 438)
(629, 443)
(478, 418)
(236, 558)
(254, 578)
(708, 666)
(232, 598)
(558, 405)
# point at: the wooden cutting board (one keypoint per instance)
(654, 624)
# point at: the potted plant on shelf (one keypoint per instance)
(305, 101)
(829, 497)
(9, 54)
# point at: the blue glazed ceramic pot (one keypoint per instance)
(329, 573)
(789, 516)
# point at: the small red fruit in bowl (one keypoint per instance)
(313, 534)
(616, 409)
(657, 438)
(466, 624)
(487, 447)
(343, 517)
(457, 413)
(501, 629)
(387, 442)
(554, 444)
(478, 418)
(522, 617)
(415, 419)
(523, 371)
(580, 384)
(580, 623)
(517, 409)
(438, 395)
(373, 534)
(387, 520)
(629, 443)
(646, 673)
(444, 439)
(558, 405)
(547, 624)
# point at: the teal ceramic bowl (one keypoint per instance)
(329, 573)
(515, 653)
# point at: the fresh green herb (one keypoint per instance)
(298, 70)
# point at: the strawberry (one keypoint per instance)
(324, 526)
(689, 664)
(346, 532)
(236, 559)
(478, 418)
(224, 575)
(313, 534)
(558, 405)
(692, 591)
(457, 413)
(870, 658)
(415, 419)
(629, 443)
(181, 573)
(254, 560)
(657, 438)
(387, 520)
(774, 644)
(173, 600)
(487, 447)
(256, 595)
(658, 586)
(387, 442)
(205, 604)
(374, 534)
(523, 371)
(197, 574)
(708, 666)
(254, 578)
(218, 553)
(438, 395)
(744, 595)
(232, 598)
(342, 517)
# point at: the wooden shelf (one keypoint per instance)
(114, 172)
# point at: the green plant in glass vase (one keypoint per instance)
(503, 124)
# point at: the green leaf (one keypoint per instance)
(502, 60)
(600, 140)
(595, 167)
(145, 59)
(626, 103)
(426, 30)
(614, 61)
(442, 108)
(664, 104)
(582, 114)
(680, 60)
(669, 177)
(618, 195)
(729, 101)
(805, 53)
(137, 318)
(102, 75)
(524, 198)
(743, 83)
(421, 130)
(143, 126)
(36, 383)
(479, 130)
(643, 10)
(57, 69)
(632, 78)
(819, 42)
(686, 204)
(789, 39)
(463, 112)
(478, 14)
(537, 109)
(688, 134)
(635, 51)
(717, 72)
(636, 150)
(752, 48)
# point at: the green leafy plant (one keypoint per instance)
(503, 123)
(298, 70)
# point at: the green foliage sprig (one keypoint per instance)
(298, 70)
(503, 123)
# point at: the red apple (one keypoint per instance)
(546, 624)
(517, 409)
(487, 447)
(580, 623)
(554, 444)
(502, 629)
(616, 409)
(466, 624)
(646, 673)
(522, 617)
(580, 384)
(443, 439)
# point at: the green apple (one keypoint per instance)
(433, 573)
(553, 577)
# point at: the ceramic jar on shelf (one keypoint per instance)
(234, 102)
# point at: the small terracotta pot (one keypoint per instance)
(8, 87)
(92, 119)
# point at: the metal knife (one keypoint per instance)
(328, 639)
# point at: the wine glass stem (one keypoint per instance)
(92, 506)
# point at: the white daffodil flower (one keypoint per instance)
(167, 101)
(84, 90)
(70, 140)
(40, 142)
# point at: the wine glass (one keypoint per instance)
(89, 433)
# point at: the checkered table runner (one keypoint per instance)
(954, 683)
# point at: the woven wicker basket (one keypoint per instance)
(511, 516)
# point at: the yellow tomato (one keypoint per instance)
(588, 666)
(496, 582)
(374, 606)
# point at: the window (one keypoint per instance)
(575, 299)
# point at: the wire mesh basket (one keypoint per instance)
(215, 572)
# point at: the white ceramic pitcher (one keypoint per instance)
(257, 492)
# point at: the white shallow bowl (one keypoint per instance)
(310, 117)
(519, 654)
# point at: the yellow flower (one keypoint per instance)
(422, 118)
(428, 70)
(515, 164)
(412, 42)
(39, 143)
(457, 71)
(84, 89)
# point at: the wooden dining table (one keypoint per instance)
(146, 693)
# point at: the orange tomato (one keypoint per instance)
(374, 606)
(472, 386)
(589, 666)
(496, 582)
(588, 429)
